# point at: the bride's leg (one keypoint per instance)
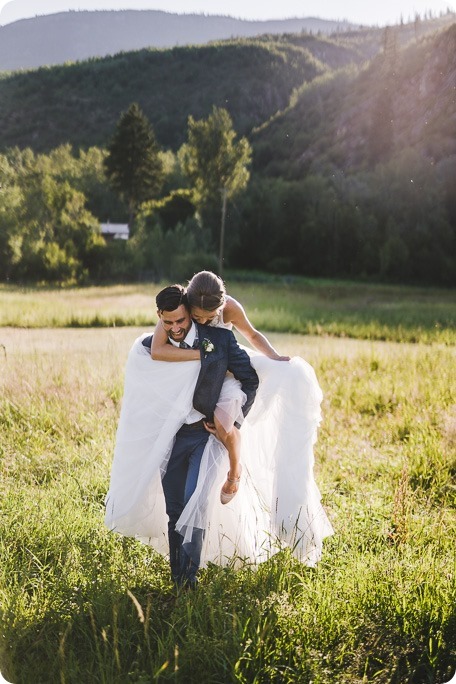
(232, 442)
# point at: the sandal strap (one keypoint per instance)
(233, 480)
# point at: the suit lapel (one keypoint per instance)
(207, 335)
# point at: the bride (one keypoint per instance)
(276, 502)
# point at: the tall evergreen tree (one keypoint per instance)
(133, 165)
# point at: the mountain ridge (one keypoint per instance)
(49, 40)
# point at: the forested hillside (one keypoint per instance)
(402, 98)
(80, 103)
(357, 175)
(352, 143)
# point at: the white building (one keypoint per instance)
(115, 231)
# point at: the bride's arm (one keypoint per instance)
(234, 312)
(161, 350)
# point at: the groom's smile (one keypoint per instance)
(179, 335)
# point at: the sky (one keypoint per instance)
(370, 12)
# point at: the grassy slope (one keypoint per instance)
(79, 604)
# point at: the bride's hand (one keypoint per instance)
(277, 357)
(217, 429)
(210, 427)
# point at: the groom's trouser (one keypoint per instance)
(179, 483)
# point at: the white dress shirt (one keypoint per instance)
(190, 337)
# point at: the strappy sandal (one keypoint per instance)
(225, 497)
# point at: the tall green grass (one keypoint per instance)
(297, 305)
(79, 604)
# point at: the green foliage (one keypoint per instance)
(172, 254)
(393, 224)
(47, 232)
(175, 208)
(216, 165)
(213, 159)
(357, 116)
(133, 164)
(81, 102)
(48, 235)
(89, 177)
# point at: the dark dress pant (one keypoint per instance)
(179, 483)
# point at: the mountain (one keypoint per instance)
(300, 98)
(75, 36)
(81, 103)
(352, 119)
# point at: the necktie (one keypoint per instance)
(184, 345)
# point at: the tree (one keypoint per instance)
(133, 165)
(215, 163)
(46, 233)
(11, 197)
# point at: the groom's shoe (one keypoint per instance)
(225, 497)
(191, 584)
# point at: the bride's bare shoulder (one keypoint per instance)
(232, 310)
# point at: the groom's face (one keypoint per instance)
(177, 323)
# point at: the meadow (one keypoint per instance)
(80, 604)
(294, 305)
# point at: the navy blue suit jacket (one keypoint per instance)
(227, 355)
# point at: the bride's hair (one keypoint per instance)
(206, 291)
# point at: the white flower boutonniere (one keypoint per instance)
(208, 346)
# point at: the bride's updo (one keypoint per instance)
(206, 291)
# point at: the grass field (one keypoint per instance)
(301, 306)
(79, 604)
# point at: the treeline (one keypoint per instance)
(49, 203)
(393, 224)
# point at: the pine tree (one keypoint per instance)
(133, 165)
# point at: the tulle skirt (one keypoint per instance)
(278, 502)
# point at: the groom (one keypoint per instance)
(220, 353)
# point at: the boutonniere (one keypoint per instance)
(208, 346)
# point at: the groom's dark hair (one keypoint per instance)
(171, 297)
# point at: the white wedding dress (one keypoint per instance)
(278, 502)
